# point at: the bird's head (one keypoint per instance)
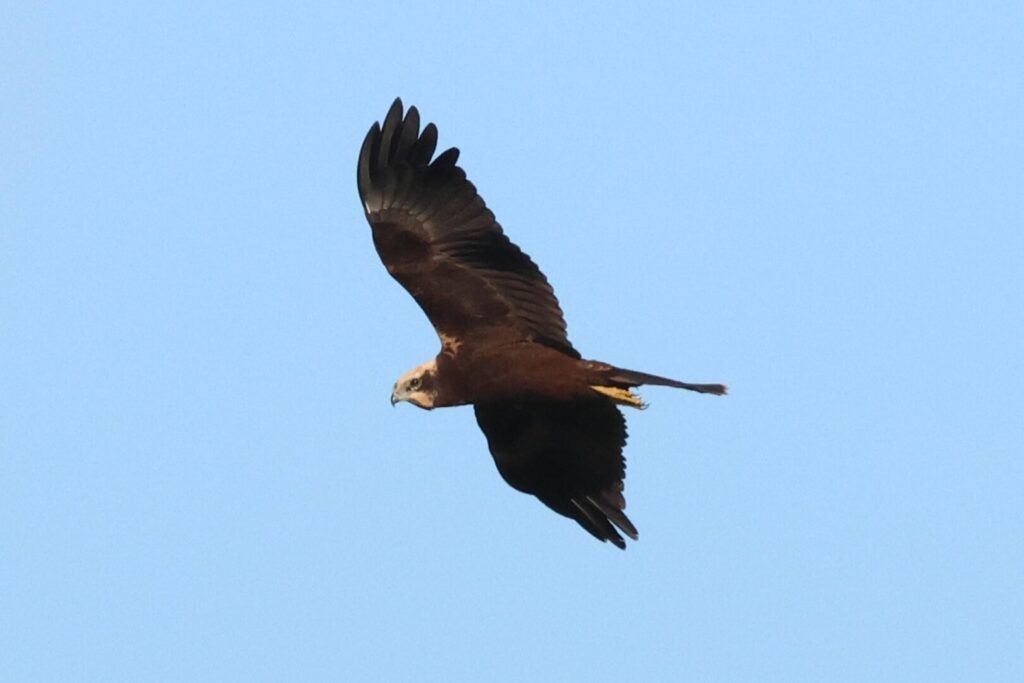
(418, 386)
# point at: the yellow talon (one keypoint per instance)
(620, 396)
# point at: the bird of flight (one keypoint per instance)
(551, 418)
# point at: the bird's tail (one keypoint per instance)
(618, 383)
(632, 378)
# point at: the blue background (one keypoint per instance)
(201, 477)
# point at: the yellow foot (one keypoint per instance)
(621, 396)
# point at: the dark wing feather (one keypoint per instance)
(568, 454)
(438, 239)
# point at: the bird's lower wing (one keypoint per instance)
(567, 454)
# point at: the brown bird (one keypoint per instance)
(550, 417)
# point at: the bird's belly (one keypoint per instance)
(532, 372)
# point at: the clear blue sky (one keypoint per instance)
(201, 477)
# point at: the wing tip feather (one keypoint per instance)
(364, 168)
(398, 141)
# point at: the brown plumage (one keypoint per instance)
(551, 418)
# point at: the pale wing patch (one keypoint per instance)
(450, 345)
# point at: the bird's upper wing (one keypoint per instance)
(568, 454)
(438, 239)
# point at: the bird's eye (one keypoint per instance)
(414, 383)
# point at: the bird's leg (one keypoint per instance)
(623, 397)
